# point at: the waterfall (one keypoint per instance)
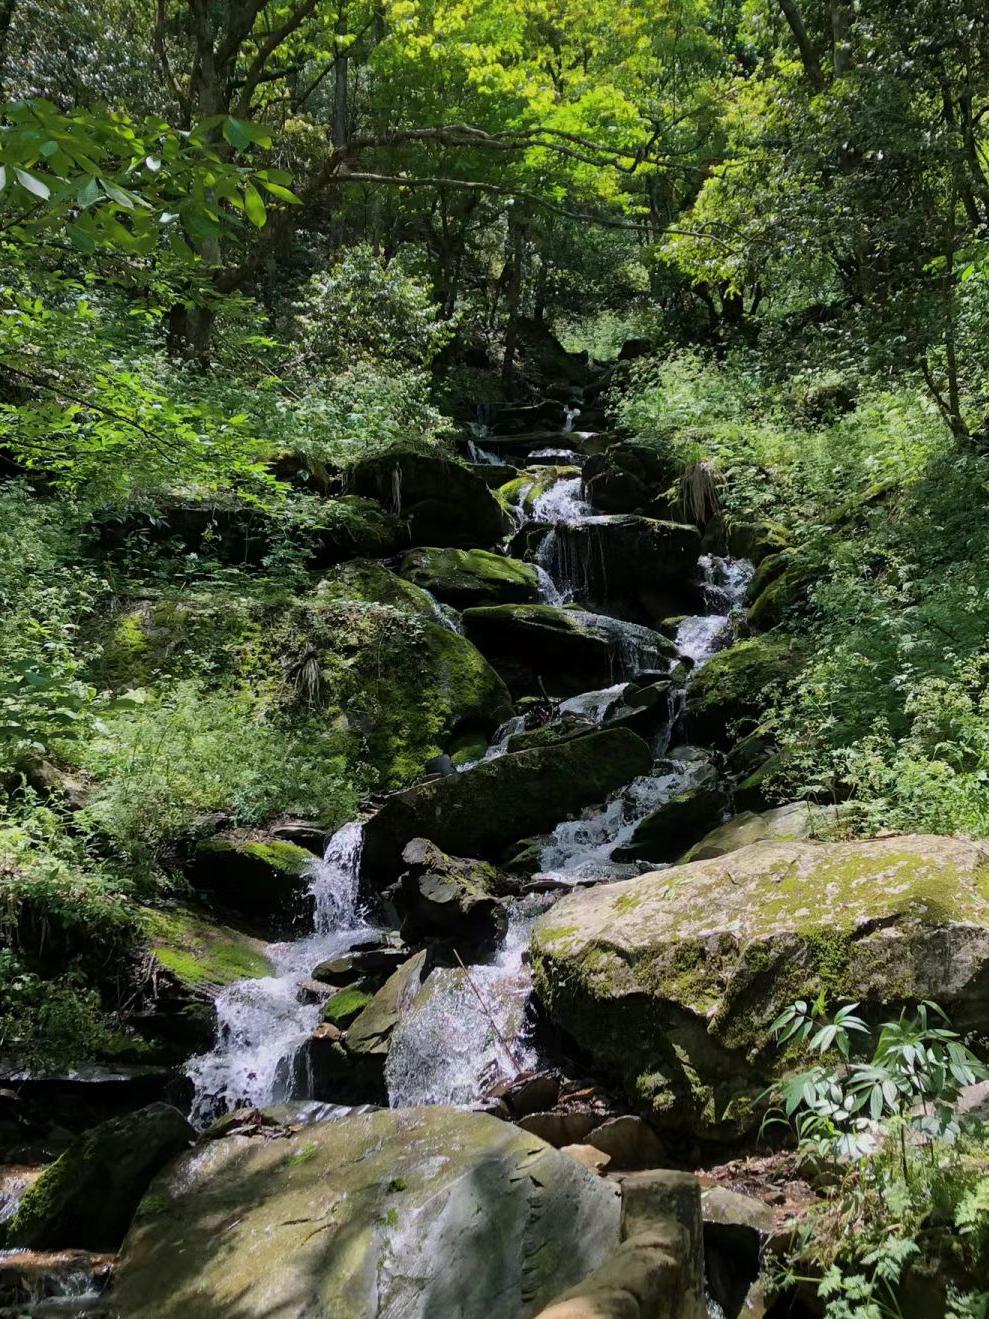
(570, 415)
(562, 502)
(723, 587)
(467, 1028)
(261, 1023)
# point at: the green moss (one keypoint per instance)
(627, 902)
(345, 1007)
(202, 953)
(283, 857)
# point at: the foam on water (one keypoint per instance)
(261, 1023)
(724, 584)
(562, 502)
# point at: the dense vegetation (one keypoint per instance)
(247, 245)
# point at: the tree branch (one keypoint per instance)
(808, 55)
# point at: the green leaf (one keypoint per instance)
(32, 185)
(236, 133)
(255, 207)
(283, 194)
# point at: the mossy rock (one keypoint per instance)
(641, 568)
(264, 879)
(471, 577)
(345, 1007)
(372, 582)
(424, 1212)
(736, 686)
(563, 651)
(86, 1199)
(796, 821)
(779, 587)
(441, 501)
(671, 981)
(407, 686)
(666, 831)
(525, 489)
(631, 475)
(483, 810)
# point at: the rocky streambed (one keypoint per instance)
(500, 1017)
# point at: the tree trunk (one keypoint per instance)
(516, 241)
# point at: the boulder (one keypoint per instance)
(639, 567)
(796, 820)
(471, 577)
(264, 879)
(486, 808)
(407, 685)
(412, 1214)
(451, 898)
(365, 579)
(442, 502)
(630, 476)
(193, 956)
(735, 687)
(563, 651)
(86, 1199)
(670, 981)
(629, 1143)
(737, 1231)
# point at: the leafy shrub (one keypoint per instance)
(170, 767)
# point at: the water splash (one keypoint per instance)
(467, 1029)
(724, 584)
(594, 706)
(562, 502)
(570, 415)
(477, 454)
(261, 1023)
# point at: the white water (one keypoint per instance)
(570, 415)
(725, 582)
(562, 502)
(581, 849)
(594, 706)
(261, 1023)
(477, 454)
(466, 1030)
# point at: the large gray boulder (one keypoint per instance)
(416, 1214)
(482, 810)
(86, 1199)
(471, 577)
(670, 981)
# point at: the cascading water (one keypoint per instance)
(562, 502)
(570, 415)
(261, 1023)
(725, 582)
(467, 1027)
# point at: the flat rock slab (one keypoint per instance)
(412, 1214)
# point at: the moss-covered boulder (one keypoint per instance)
(372, 582)
(408, 688)
(450, 898)
(775, 603)
(471, 577)
(523, 491)
(639, 567)
(670, 981)
(423, 1213)
(262, 878)
(192, 957)
(797, 820)
(563, 651)
(630, 476)
(86, 1199)
(441, 501)
(735, 687)
(481, 811)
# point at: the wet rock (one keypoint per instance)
(62, 1104)
(563, 651)
(445, 897)
(628, 1142)
(629, 476)
(193, 957)
(371, 963)
(344, 1007)
(532, 1092)
(442, 502)
(735, 686)
(86, 1198)
(372, 582)
(667, 831)
(349, 1067)
(482, 810)
(796, 820)
(264, 879)
(670, 981)
(638, 567)
(425, 1212)
(309, 834)
(471, 577)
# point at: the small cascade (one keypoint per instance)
(570, 415)
(499, 743)
(562, 502)
(581, 849)
(556, 458)
(467, 1027)
(477, 454)
(446, 615)
(594, 706)
(261, 1023)
(633, 647)
(724, 584)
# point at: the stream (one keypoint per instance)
(466, 1028)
